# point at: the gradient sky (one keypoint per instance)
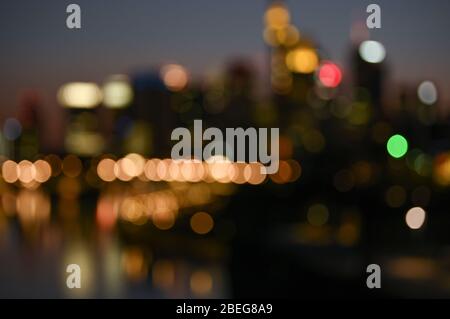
(37, 50)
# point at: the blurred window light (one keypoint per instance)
(174, 76)
(427, 93)
(117, 92)
(415, 218)
(372, 51)
(82, 95)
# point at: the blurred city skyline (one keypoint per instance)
(87, 175)
(40, 52)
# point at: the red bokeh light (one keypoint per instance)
(330, 75)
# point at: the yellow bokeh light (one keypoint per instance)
(302, 60)
(287, 36)
(277, 16)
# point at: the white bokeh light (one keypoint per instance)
(372, 51)
(427, 93)
(415, 218)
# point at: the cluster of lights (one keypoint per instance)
(165, 273)
(157, 170)
(32, 206)
(26, 172)
(278, 29)
(300, 56)
(168, 170)
(159, 207)
(317, 230)
(32, 174)
(116, 93)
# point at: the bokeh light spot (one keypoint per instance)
(397, 146)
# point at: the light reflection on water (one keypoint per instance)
(120, 239)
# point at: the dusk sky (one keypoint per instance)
(38, 51)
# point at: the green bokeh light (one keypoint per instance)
(397, 146)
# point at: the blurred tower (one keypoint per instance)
(280, 36)
(150, 114)
(82, 137)
(293, 62)
(236, 97)
(369, 72)
(29, 143)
